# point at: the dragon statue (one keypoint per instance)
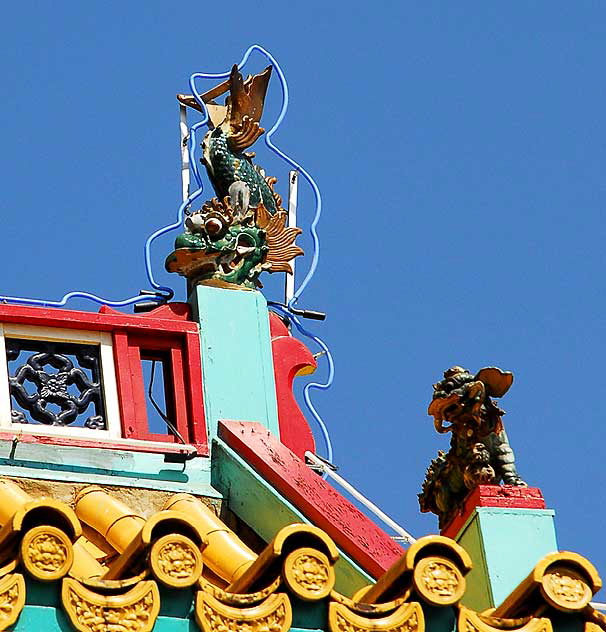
(479, 449)
(243, 231)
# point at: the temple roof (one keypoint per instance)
(111, 561)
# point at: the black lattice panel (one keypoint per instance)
(56, 383)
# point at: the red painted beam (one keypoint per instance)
(105, 444)
(506, 496)
(359, 537)
(170, 311)
(168, 320)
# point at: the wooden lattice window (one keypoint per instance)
(52, 362)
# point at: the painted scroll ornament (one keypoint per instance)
(406, 618)
(134, 611)
(12, 599)
(272, 615)
(470, 621)
(46, 553)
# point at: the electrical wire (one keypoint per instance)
(163, 415)
(284, 310)
(163, 293)
(272, 147)
(70, 295)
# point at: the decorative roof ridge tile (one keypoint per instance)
(565, 581)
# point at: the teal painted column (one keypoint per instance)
(237, 362)
(505, 544)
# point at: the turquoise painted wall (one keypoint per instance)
(308, 615)
(238, 384)
(237, 362)
(105, 466)
(440, 619)
(514, 540)
(41, 618)
(43, 610)
(164, 624)
(49, 619)
(505, 545)
(312, 618)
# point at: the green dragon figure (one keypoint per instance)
(479, 448)
(241, 232)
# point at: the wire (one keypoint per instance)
(285, 310)
(71, 295)
(315, 385)
(160, 412)
(268, 141)
(162, 290)
(163, 293)
(327, 469)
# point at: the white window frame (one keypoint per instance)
(108, 379)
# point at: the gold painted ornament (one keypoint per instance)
(46, 553)
(438, 580)
(176, 561)
(272, 615)
(240, 600)
(565, 581)
(470, 621)
(595, 621)
(308, 573)
(133, 611)
(358, 605)
(406, 618)
(565, 588)
(12, 599)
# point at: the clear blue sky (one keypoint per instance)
(460, 149)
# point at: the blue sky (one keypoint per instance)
(460, 150)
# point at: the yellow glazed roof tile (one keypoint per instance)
(185, 544)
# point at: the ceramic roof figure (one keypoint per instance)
(479, 448)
